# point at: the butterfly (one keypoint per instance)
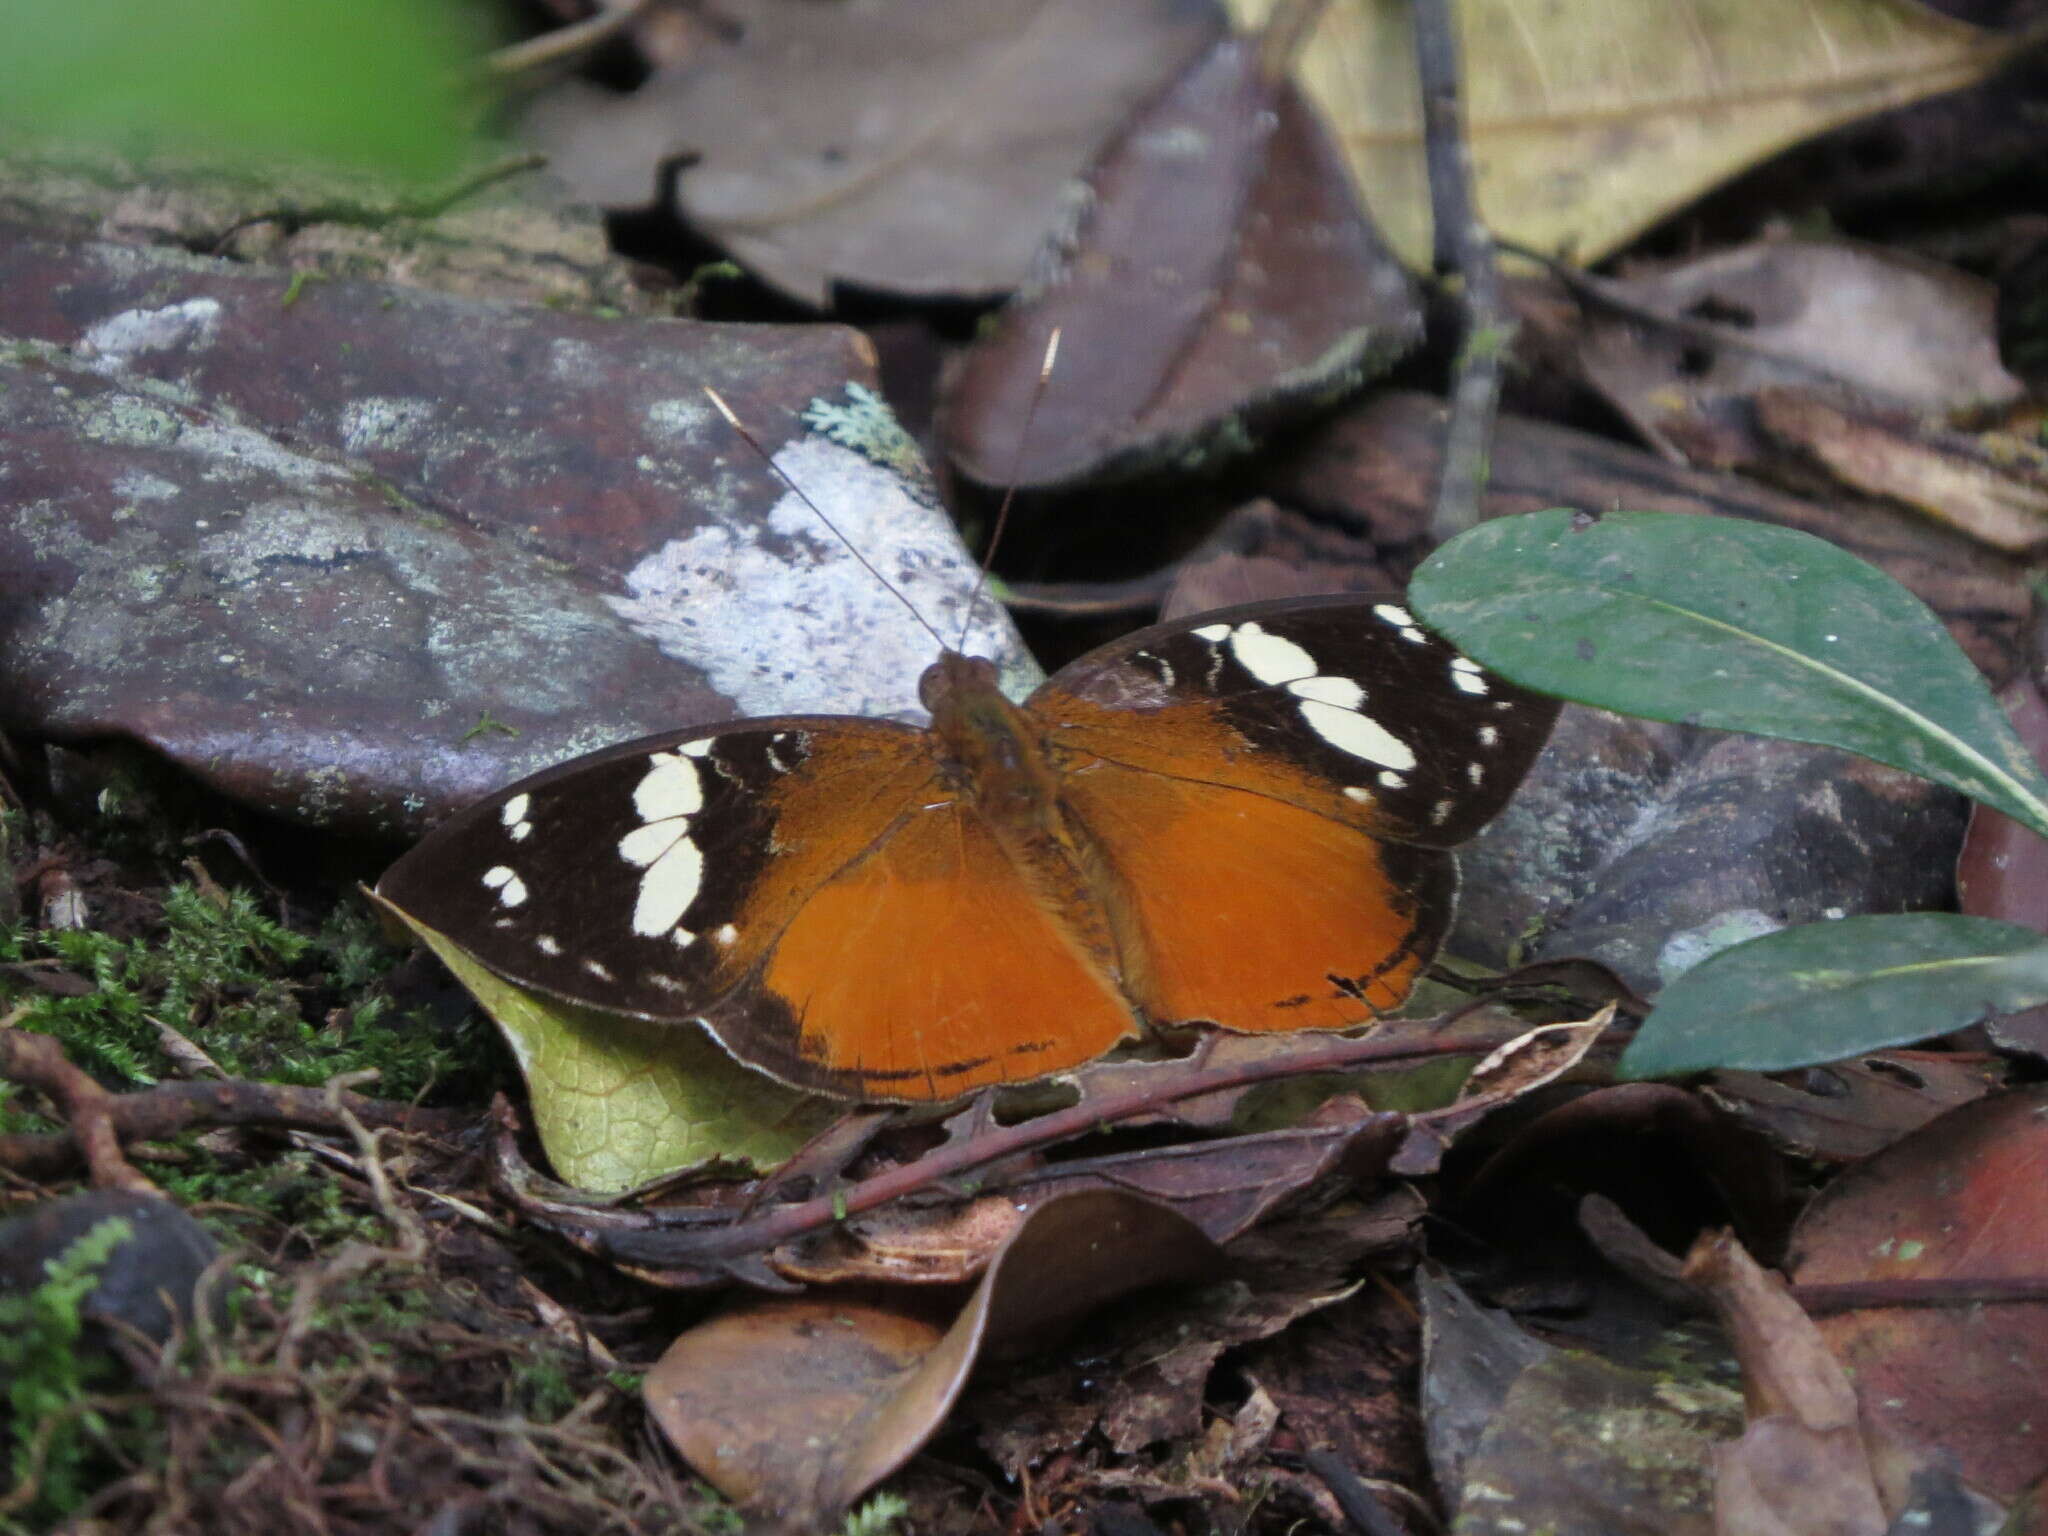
(1243, 818)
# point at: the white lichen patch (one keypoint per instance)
(784, 619)
(680, 418)
(113, 344)
(1724, 930)
(140, 485)
(383, 422)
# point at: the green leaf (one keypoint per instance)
(1736, 625)
(368, 85)
(1825, 991)
(619, 1100)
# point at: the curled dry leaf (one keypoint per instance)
(1802, 1464)
(795, 1407)
(1590, 121)
(916, 147)
(1221, 274)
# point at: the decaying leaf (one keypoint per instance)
(1882, 326)
(1961, 1198)
(1847, 1110)
(1591, 120)
(907, 147)
(1220, 273)
(1545, 1439)
(1992, 486)
(619, 1101)
(796, 1406)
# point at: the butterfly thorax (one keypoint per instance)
(991, 749)
(995, 756)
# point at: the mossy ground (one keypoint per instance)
(383, 1367)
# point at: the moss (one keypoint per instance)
(58, 1437)
(236, 983)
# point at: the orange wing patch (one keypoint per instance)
(926, 970)
(1255, 914)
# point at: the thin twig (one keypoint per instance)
(38, 1061)
(1464, 246)
(1360, 1505)
(569, 42)
(161, 1112)
(704, 1239)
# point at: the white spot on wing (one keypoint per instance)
(1360, 735)
(1467, 675)
(668, 887)
(1215, 634)
(510, 888)
(1394, 613)
(726, 934)
(1391, 780)
(1270, 658)
(513, 815)
(1489, 736)
(700, 748)
(1441, 812)
(598, 969)
(671, 788)
(1340, 691)
(1353, 792)
(1476, 772)
(548, 944)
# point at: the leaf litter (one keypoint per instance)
(417, 1351)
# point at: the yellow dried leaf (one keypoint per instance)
(1592, 119)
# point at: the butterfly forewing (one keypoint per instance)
(653, 878)
(1343, 705)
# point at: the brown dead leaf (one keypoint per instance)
(916, 147)
(1887, 327)
(2003, 871)
(1847, 1110)
(1962, 1198)
(1221, 276)
(1992, 486)
(795, 1407)
(1592, 119)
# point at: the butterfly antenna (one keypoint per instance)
(995, 538)
(819, 512)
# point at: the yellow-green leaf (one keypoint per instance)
(1591, 119)
(618, 1100)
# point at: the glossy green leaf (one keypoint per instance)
(618, 1100)
(370, 85)
(1826, 991)
(1737, 625)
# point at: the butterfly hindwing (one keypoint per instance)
(1254, 914)
(1345, 705)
